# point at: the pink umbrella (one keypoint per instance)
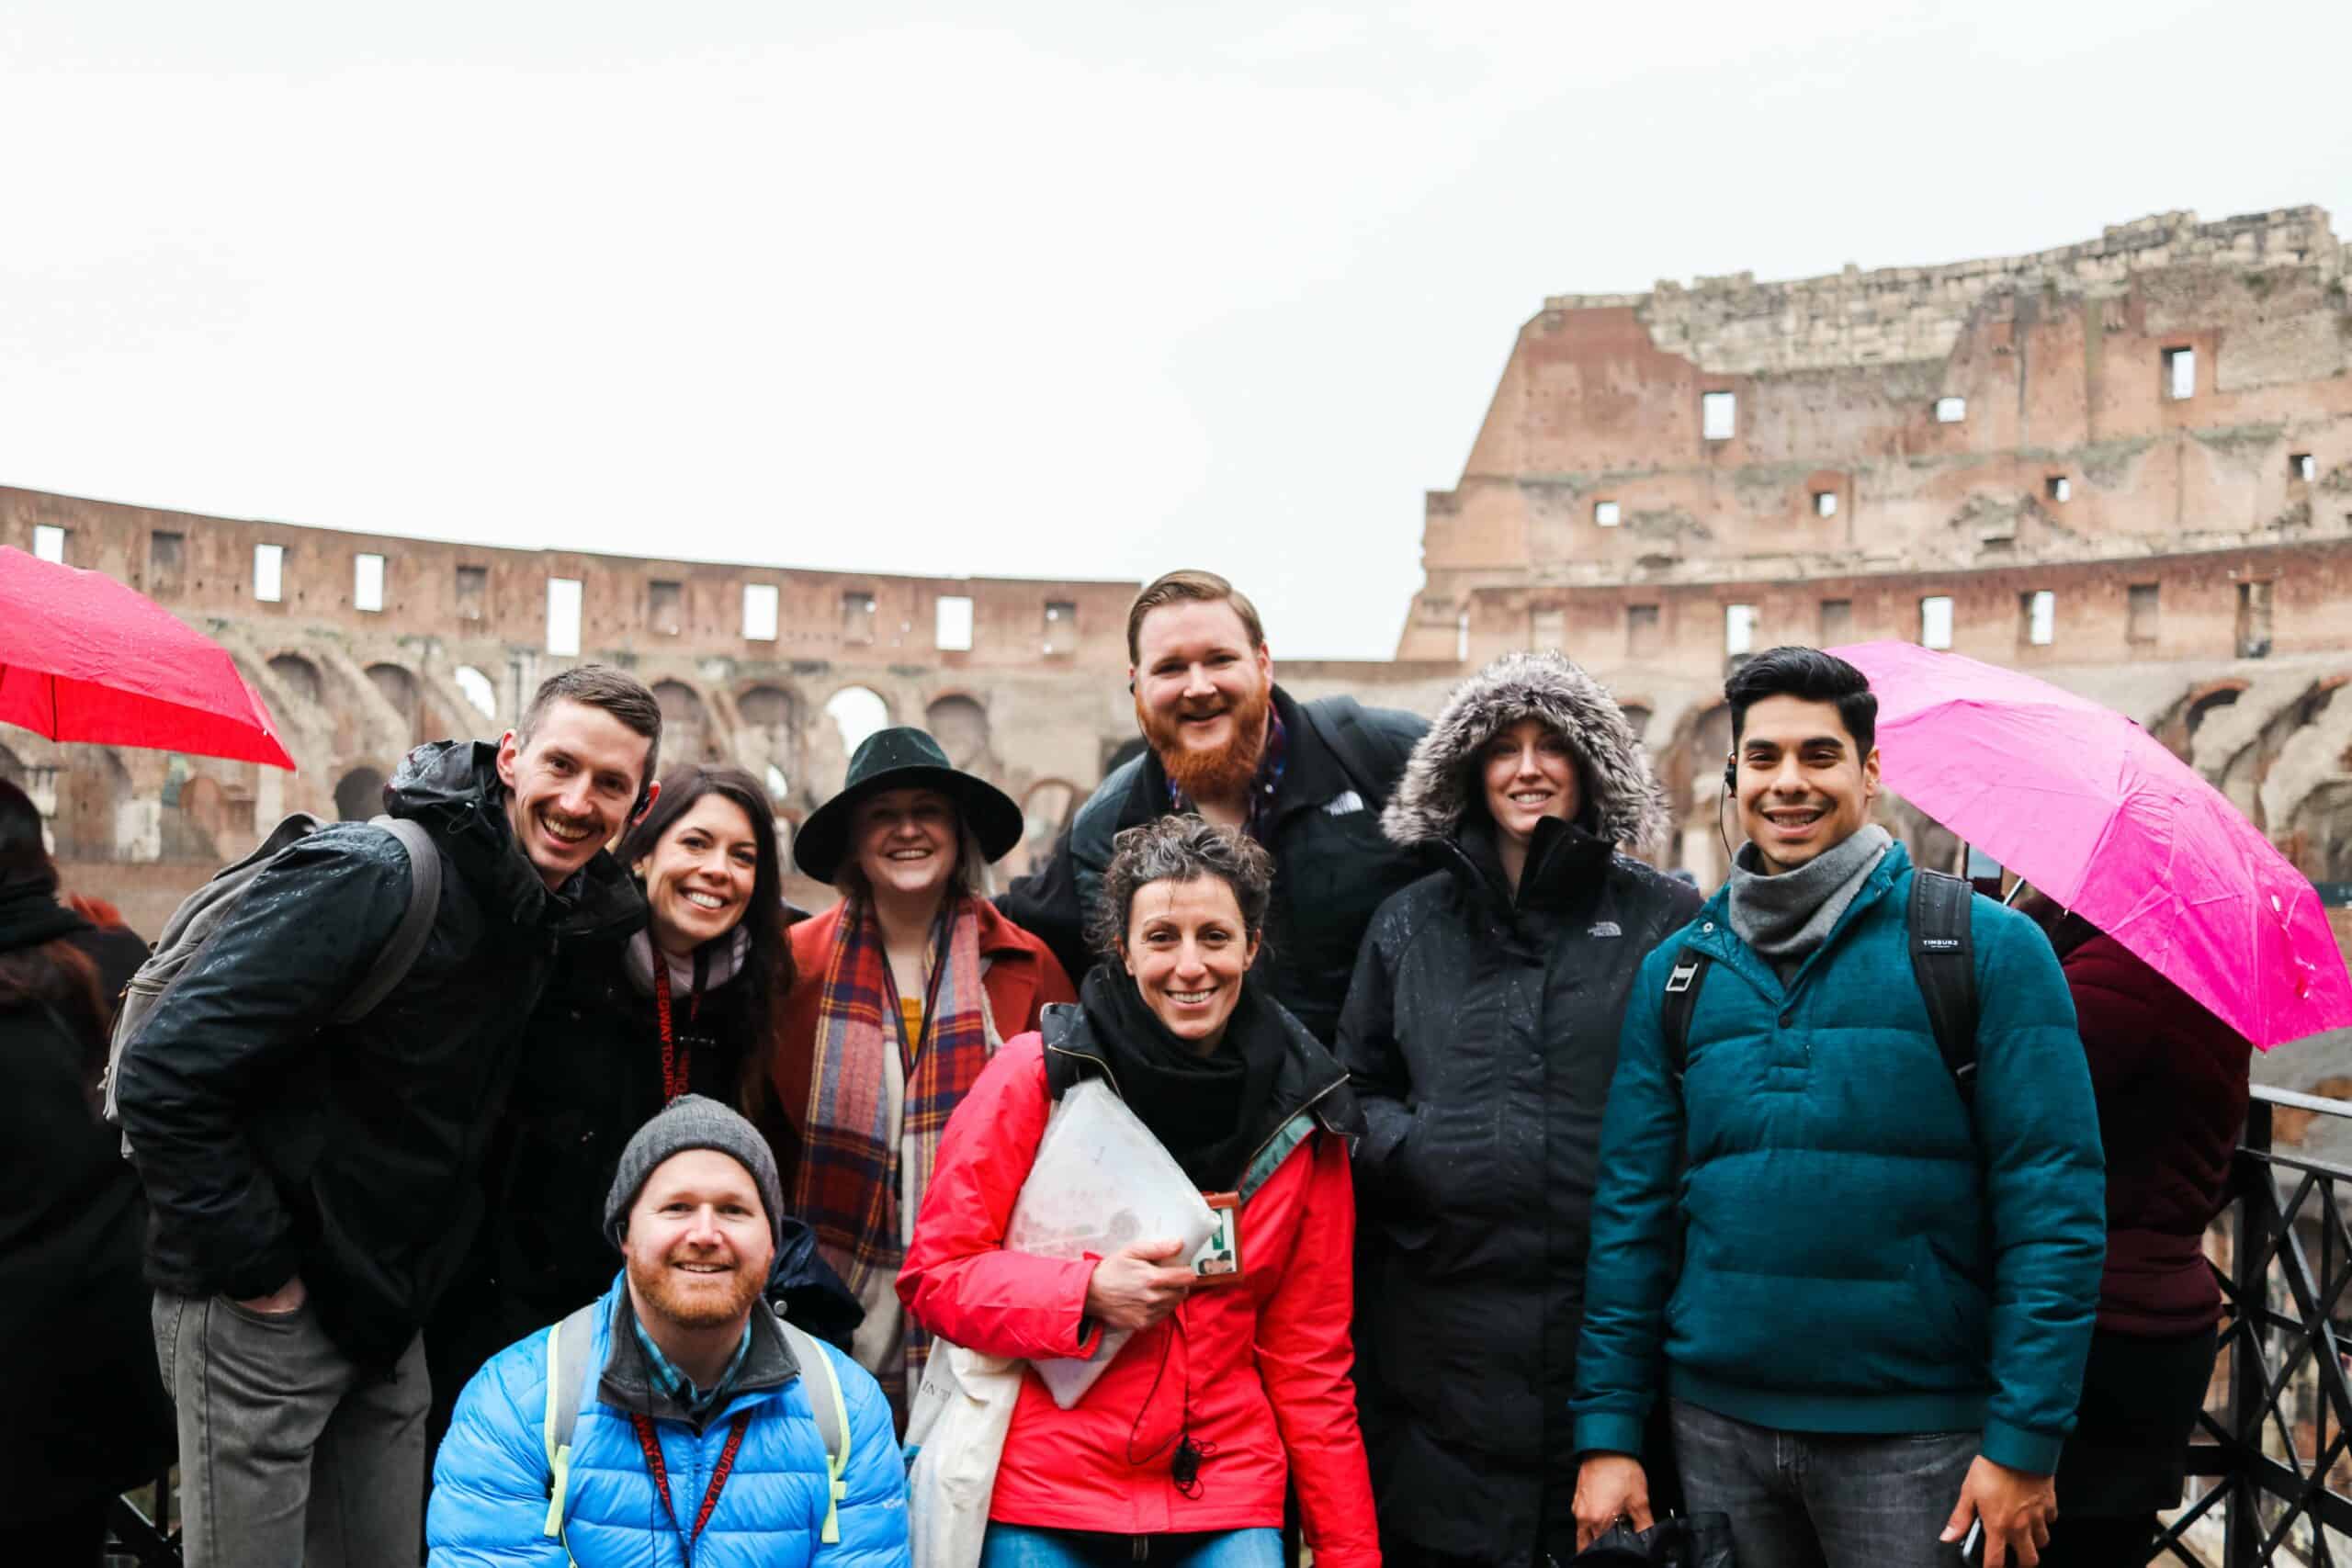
(83, 658)
(2087, 806)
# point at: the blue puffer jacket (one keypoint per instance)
(490, 1485)
(1852, 1257)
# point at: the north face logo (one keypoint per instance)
(1605, 928)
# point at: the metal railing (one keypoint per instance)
(2271, 1463)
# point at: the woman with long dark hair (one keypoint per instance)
(86, 1412)
(686, 1006)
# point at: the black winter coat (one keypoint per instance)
(86, 1412)
(1481, 1035)
(1332, 865)
(274, 1142)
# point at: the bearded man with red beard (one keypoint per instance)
(1307, 780)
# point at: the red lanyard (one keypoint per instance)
(676, 1064)
(652, 1447)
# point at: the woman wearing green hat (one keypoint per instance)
(905, 988)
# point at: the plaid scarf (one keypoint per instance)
(851, 1172)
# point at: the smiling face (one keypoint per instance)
(698, 1243)
(1802, 787)
(1530, 773)
(699, 877)
(1201, 694)
(905, 840)
(569, 787)
(1188, 951)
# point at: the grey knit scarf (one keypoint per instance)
(1784, 917)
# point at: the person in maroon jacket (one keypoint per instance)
(2171, 1082)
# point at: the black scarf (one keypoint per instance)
(31, 914)
(1206, 1110)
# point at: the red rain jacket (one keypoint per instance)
(1263, 1363)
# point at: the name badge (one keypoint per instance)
(1218, 1262)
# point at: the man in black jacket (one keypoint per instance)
(1307, 780)
(314, 1185)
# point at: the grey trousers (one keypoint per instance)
(1806, 1499)
(289, 1456)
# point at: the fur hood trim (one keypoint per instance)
(1436, 791)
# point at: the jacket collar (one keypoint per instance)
(1711, 931)
(1564, 861)
(628, 1384)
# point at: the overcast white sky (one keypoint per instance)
(1080, 288)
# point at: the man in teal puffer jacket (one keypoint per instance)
(696, 1441)
(1873, 1295)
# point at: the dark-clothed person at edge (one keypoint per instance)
(627, 1024)
(1873, 1293)
(1305, 780)
(695, 1438)
(1480, 1036)
(1235, 1385)
(2171, 1082)
(85, 1414)
(316, 1185)
(909, 985)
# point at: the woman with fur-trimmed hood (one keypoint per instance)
(1481, 1035)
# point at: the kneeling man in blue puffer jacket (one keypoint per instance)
(698, 1437)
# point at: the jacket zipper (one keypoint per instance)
(1310, 1103)
(1098, 1061)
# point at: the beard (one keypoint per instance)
(657, 1287)
(1213, 771)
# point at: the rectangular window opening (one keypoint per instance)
(1718, 415)
(473, 588)
(951, 624)
(49, 544)
(1605, 513)
(1825, 503)
(760, 612)
(1739, 630)
(2038, 617)
(367, 583)
(269, 572)
(2140, 618)
(1462, 636)
(1547, 630)
(563, 615)
(1062, 626)
(1951, 411)
(665, 606)
(857, 617)
(1836, 622)
(2058, 488)
(2254, 620)
(166, 561)
(1935, 621)
(2180, 374)
(1641, 631)
(2303, 466)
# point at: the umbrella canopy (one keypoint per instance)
(2090, 809)
(83, 658)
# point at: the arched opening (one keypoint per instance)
(961, 727)
(11, 769)
(2242, 781)
(2324, 824)
(359, 794)
(192, 830)
(1638, 717)
(766, 742)
(1045, 811)
(856, 712)
(2204, 706)
(1709, 827)
(298, 676)
(401, 693)
(98, 818)
(686, 724)
(477, 689)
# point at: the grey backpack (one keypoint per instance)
(202, 913)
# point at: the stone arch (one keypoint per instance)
(851, 714)
(192, 830)
(402, 693)
(96, 819)
(2321, 826)
(300, 677)
(1638, 714)
(768, 741)
(2241, 779)
(2176, 728)
(12, 770)
(686, 724)
(359, 794)
(960, 725)
(477, 689)
(1046, 808)
(1694, 777)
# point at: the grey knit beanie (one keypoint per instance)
(694, 1121)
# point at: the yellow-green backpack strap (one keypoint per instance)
(824, 1388)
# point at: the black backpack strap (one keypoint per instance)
(1372, 758)
(1943, 961)
(1682, 985)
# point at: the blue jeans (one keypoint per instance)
(1824, 1499)
(1024, 1546)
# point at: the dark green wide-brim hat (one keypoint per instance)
(904, 757)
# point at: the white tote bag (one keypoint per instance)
(956, 1429)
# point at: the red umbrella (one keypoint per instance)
(83, 658)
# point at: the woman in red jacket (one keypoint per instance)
(905, 988)
(1236, 1380)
